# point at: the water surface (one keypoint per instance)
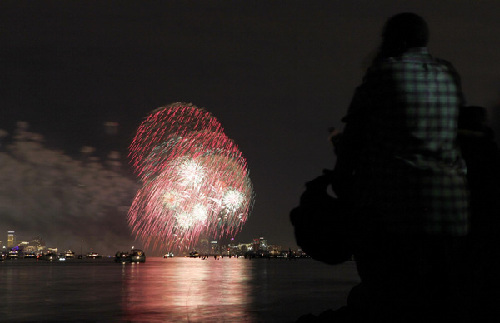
(171, 290)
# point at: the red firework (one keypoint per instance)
(164, 126)
(195, 180)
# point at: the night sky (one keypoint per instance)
(276, 74)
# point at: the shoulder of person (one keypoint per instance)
(446, 63)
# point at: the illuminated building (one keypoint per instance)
(11, 239)
(260, 244)
(38, 244)
(274, 250)
(111, 127)
(263, 244)
(255, 244)
(214, 248)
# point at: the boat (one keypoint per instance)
(49, 256)
(13, 254)
(122, 256)
(69, 254)
(30, 255)
(168, 255)
(194, 254)
(93, 255)
(135, 255)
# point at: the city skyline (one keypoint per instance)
(37, 245)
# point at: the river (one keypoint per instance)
(174, 289)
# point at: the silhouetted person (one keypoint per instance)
(482, 156)
(400, 166)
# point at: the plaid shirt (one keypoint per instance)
(400, 142)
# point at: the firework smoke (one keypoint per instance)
(70, 203)
(194, 179)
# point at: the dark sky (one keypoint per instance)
(276, 74)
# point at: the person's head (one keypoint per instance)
(403, 31)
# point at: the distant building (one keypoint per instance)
(256, 244)
(111, 127)
(259, 244)
(11, 239)
(274, 250)
(263, 244)
(35, 245)
(214, 247)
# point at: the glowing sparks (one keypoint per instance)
(191, 173)
(232, 199)
(195, 179)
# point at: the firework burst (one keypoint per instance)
(194, 179)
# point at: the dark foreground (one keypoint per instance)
(171, 290)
